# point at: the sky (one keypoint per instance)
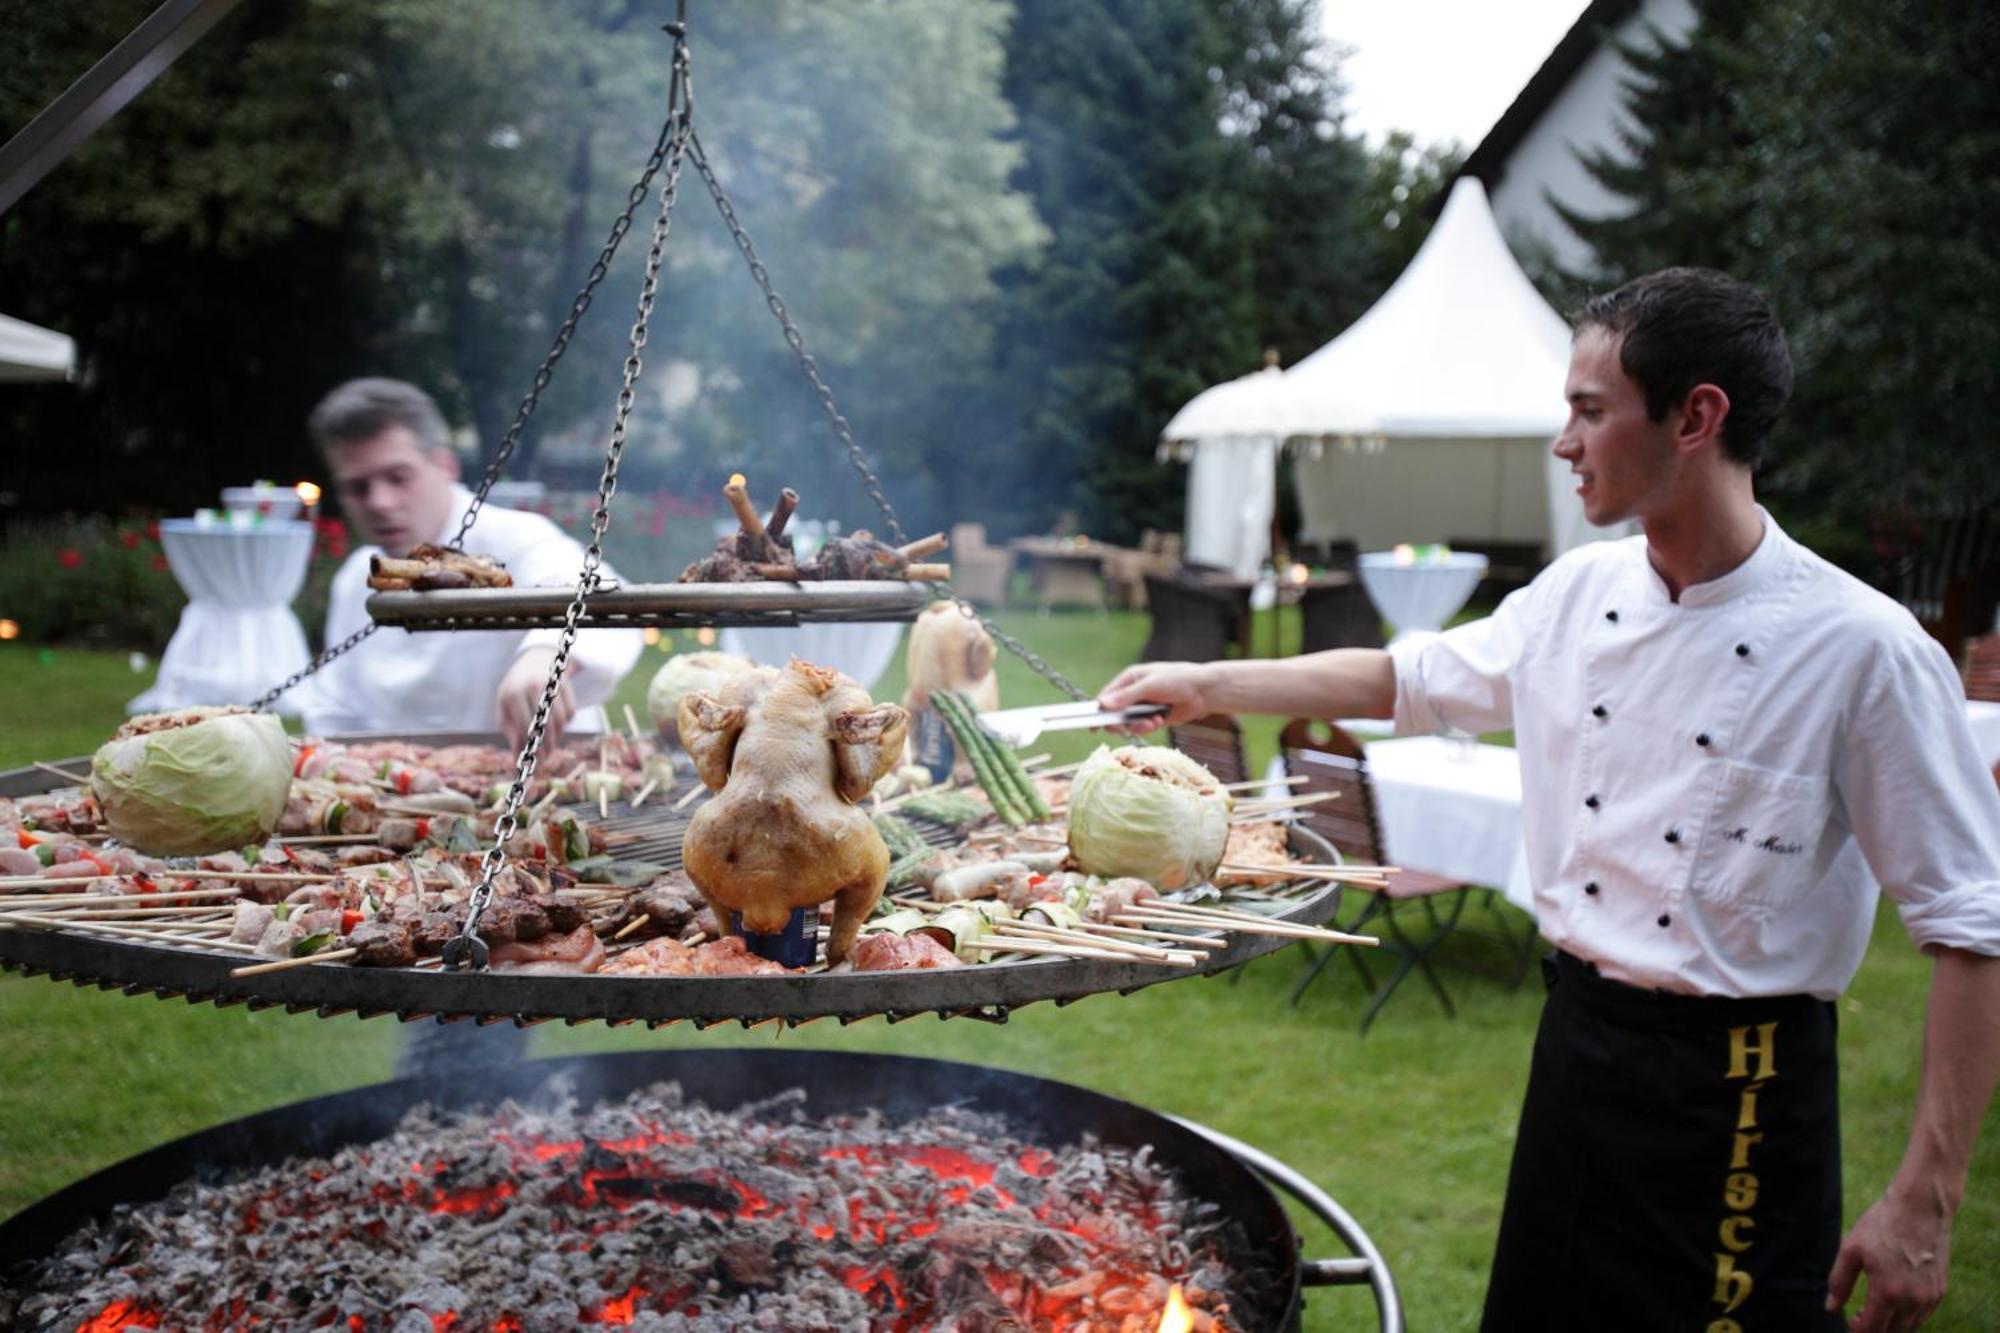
(1442, 69)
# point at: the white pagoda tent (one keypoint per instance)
(1428, 420)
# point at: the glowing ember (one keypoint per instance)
(630, 1213)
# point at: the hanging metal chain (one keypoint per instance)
(869, 481)
(543, 374)
(466, 949)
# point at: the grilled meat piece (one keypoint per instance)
(383, 942)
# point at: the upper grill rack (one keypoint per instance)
(662, 605)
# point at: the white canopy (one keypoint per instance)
(1429, 419)
(28, 352)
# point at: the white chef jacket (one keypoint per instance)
(397, 681)
(1707, 783)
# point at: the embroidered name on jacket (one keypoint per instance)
(1771, 844)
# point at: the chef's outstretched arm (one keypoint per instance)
(1342, 682)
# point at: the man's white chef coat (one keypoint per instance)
(1703, 780)
(401, 682)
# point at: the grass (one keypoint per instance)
(1409, 1128)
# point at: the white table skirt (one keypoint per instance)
(237, 636)
(1453, 808)
(1423, 596)
(861, 649)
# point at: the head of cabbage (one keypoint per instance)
(1149, 812)
(682, 675)
(194, 782)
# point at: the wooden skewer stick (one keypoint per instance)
(1277, 803)
(92, 899)
(1064, 935)
(632, 721)
(1166, 937)
(1004, 945)
(923, 546)
(106, 928)
(1247, 925)
(632, 925)
(80, 779)
(692, 792)
(639, 797)
(603, 801)
(1305, 871)
(928, 573)
(1259, 783)
(95, 913)
(287, 964)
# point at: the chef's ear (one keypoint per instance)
(709, 732)
(978, 657)
(867, 743)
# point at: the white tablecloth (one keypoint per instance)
(862, 649)
(1422, 596)
(1452, 808)
(237, 636)
(1985, 720)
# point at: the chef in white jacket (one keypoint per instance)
(384, 443)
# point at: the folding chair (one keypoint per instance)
(1216, 743)
(1332, 762)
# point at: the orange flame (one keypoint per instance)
(1177, 1317)
(736, 479)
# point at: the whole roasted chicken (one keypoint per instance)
(789, 753)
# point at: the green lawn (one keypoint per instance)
(1409, 1128)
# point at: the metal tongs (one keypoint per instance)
(1020, 726)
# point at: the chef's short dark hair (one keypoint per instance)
(1682, 327)
(359, 410)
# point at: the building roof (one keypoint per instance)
(1489, 160)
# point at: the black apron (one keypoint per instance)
(1677, 1166)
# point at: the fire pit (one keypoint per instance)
(808, 1190)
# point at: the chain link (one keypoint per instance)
(543, 374)
(466, 948)
(869, 481)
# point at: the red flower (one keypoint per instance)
(153, 530)
(129, 540)
(159, 562)
(70, 558)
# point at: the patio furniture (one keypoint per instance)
(1336, 616)
(1063, 570)
(237, 635)
(1418, 595)
(1216, 743)
(1982, 669)
(1333, 762)
(979, 572)
(1125, 569)
(1192, 623)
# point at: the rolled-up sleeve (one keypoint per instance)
(1463, 678)
(1922, 805)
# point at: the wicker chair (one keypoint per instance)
(1338, 618)
(1332, 762)
(979, 571)
(1192, 623)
